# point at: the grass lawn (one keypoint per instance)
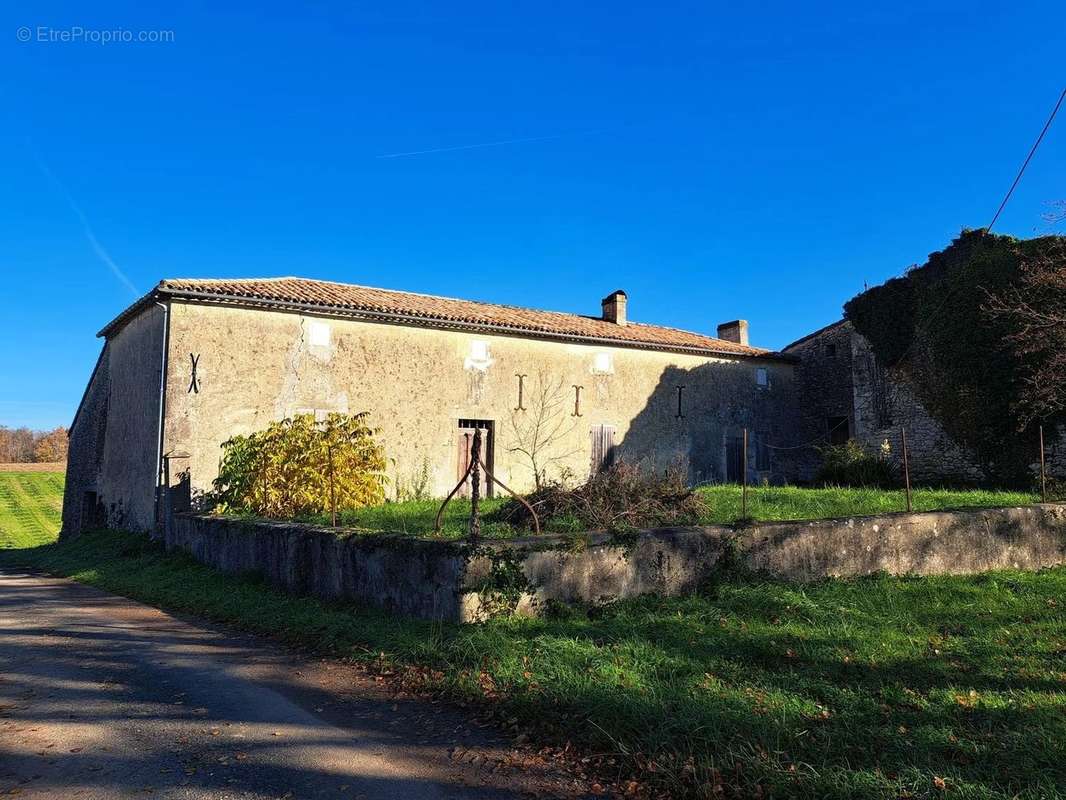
(872, 688)
(764, 503)
(30, 505)
(791, 502)
(879, 687)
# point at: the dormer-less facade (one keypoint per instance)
(557, 395)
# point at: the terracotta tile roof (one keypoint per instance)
(420, 309)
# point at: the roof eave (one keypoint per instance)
(812, 335)
(210, 298)
(128, 313)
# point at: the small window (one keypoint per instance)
(830, 351)
(602, 364)
(318, 333)
(762, 377)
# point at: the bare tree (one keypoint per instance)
(16, 445)
(1057, 213)
(51, 446)
(1035, 306)
(540, 431)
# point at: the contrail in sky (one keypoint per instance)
(484, 144)
(98, 248)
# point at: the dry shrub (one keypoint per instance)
(623, 497)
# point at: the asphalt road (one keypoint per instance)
(101, 697)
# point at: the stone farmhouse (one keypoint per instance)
(195, 362)
(844, 392)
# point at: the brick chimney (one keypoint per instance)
(614, 307)
(735, 331)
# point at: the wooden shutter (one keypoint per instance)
(602, 442)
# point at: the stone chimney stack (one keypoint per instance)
(614, 307)
(735, 331)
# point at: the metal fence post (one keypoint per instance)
(332, 492)
(906, 468)
(744, 479)
(1043, 469)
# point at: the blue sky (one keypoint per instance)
(715, 161)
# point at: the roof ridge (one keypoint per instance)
(812, 334)
(400, 291)
(459, 300)
(422, 308)
(237, 280)
(695, 333)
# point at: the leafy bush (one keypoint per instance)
(285, 471)
(1056, 488)
(622, 497)
(850, 465)
(416, 486)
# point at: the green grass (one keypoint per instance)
(416, 518)
(771, 503)
(30, 506)
(767, 503)
(868, 688)
(872, 688)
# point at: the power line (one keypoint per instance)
(1029, 157)
(951, 293)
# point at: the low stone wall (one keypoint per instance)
(415, 577)
(923, 543)
(460, 582)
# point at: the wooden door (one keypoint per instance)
(734, 459)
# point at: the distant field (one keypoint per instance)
(30, 505)
(45, 466)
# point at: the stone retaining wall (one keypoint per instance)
(459, 582)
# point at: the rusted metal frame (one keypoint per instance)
(515, 495)
(451, 494)
(479, 461)
(475, 486)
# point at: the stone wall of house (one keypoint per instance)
(257, 366)
(1054, 452)
(885, 406)
(824, 393)
(82, 507)
(839, 375)
(113, 448)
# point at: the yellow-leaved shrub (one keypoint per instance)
(287, 470)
